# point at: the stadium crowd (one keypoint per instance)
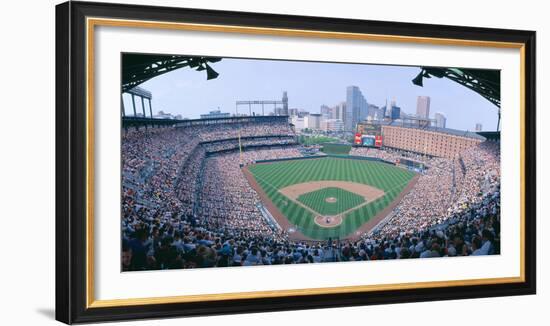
(208, 132)
(187, 204)
(233, 144)
(226, 198)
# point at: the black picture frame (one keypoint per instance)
(71, 158)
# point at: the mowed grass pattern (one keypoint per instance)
(316, 200)
(274, 176)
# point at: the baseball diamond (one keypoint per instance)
(349, 192)
(331, 200)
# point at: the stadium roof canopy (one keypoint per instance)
(485, 82)
(491, 135)
(139, 68)
(142, 92)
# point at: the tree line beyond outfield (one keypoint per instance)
(337, 149)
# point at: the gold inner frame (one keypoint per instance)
(92, 22)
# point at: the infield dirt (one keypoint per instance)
(297, 235)
(366, 191)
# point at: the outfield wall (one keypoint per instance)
(251, 147)
(352, 157)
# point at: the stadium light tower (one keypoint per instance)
(283, 102)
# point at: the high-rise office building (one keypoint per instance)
(423, 107)
(390, 110)
(374, 112)
(356, 108)
(339, 111)
(302, 113)
(333, 112)
(298, 122)
(440, 120)
(293, 112)
(395, 113)
(335, 125)
(313, 121)
(326, 111)
(285, 104)
(479, 127)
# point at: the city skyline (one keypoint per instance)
(309, 86)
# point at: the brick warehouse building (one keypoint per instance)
(440, 142)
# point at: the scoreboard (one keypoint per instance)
(368, 140)
(368, 134)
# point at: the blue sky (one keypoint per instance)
(310, 85)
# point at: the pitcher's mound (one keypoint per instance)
(328, 221)
(331, 199)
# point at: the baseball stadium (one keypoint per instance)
(242, 190)
(329, 197)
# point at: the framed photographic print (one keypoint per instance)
(212, 162)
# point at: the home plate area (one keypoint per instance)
(331, 200)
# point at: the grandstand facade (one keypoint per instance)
(440, 142)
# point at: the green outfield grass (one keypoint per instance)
(316, 200)
(274, 176)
